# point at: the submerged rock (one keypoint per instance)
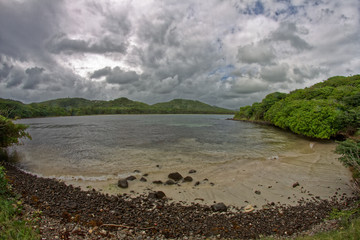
(175, 176)
(123, 183)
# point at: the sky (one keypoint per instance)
(227, 53)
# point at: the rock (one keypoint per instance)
(197, 183)
(175, 176)
(157, 195)
(143, 179)
(169, 182)
(257, 192)
(249, 208)
(123, 183)
(192, 171)
(188, 179)
(137, 171)
(295, 185)
(157, 182)
(219, 207)
(131, 178)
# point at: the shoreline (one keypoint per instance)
(158, 217)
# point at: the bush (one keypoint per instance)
(10, 133)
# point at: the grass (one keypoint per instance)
(13, 224)
(351, 231)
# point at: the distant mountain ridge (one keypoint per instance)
(81, 106)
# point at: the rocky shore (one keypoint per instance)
(93, 215)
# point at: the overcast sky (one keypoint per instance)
(225, 53)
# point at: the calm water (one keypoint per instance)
(239, 158)
(95, 146)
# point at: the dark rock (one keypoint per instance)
(157, 195)
(143, 179)
(192, 171)
(169, 182)
(188, 179)
(175, 176)
(257, 192)
(157, 182)
(146, 174)
(197, 183)
(295, 185)
(212, 184)
(219, 207)
(123, 183)
(131, 178)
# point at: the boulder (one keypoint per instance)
(123, 183)
(192, 171)
(295, 185)
(157, 182)
(169, 182)
(157, 195)
(219, 207)
(143, 179)
(188, 179)
(257, 192)
(175, 176)
(131, 178)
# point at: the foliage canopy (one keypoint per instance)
(320, 111)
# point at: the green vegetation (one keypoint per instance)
(321, 111)
(10, 132)
(13, 224)
(350, 155)
(80, 106)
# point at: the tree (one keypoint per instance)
(10, 133)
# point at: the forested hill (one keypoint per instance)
(81, 106)
(323, 110)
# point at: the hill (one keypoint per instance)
(323, 110)
(188, 106)
(81, 106)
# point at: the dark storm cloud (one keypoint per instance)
(173, 49)
(101, 72)
(61, 43)
(25, 25)
(116, 75)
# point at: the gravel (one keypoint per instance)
(71, 213)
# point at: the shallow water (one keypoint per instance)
(236, 157)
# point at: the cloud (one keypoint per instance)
(116, 75)
(288, 32)
(227, 53)
(275, 73)
(261, 53)
(166, 85)
(62, 44)
(101, 72)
